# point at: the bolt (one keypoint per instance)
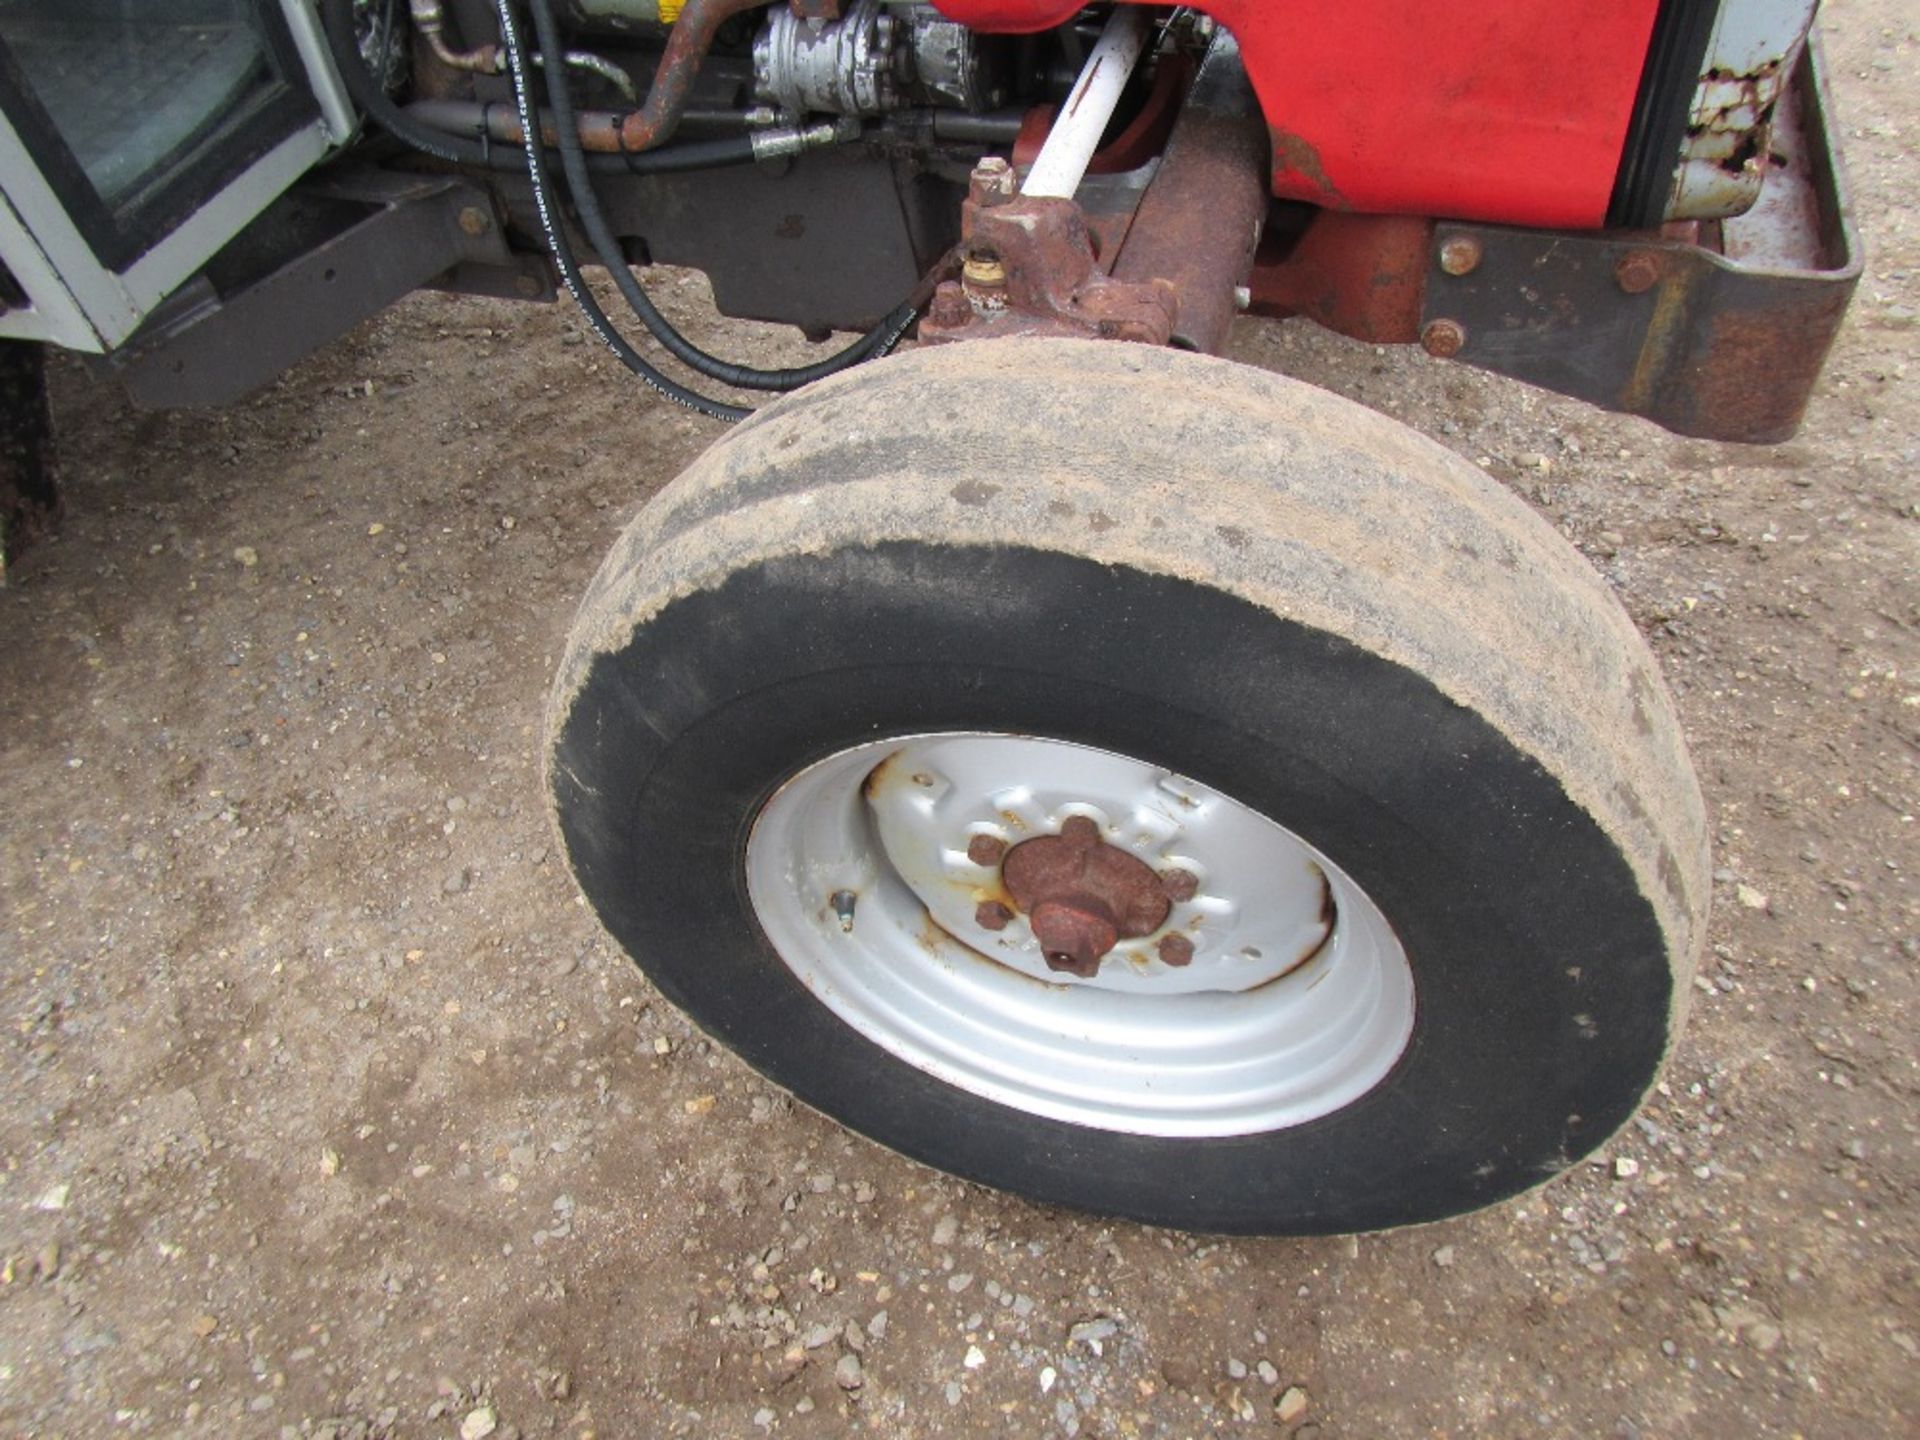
(527, 285)
(1242, 297)
(1180, 885)
(1176, 950)
(1443, 337)
(474, 220)
(1073, 937)
(992, 915)
(992, 181)
(1637, 271)
(986, 849)
(951, 308)
(1459, 254)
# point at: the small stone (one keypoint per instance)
(456, 882)
(818, 1335)
(700, 1104)
(953, 1392)
(54, 1198)
(1855, 1149)
(1764, 1336)
(1443, 1257)
(945, 1231)
(1748, 896)
(562, 1386)
(847, 1373)
(877, 1326)
(203, 1325)
(1048, 1375)
(1092, 1333)
(1625, 1167)
(47, 1263)
(247, 556)
(974, 1358)
(1236, 1369)
(479, 1424)
(960, 1282)
(1291, 1405)
(763, 1418)
(1267, 1373)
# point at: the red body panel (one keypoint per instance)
(1516, 111)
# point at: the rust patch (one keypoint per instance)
(1297, 154)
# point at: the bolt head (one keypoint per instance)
(1180, 885)
(992, 915)
(986, 849)
(992, 181)
(951, 308)
(474, 220)
(1175, 950)
(1460, 254)
(1637, 271)
(1443, 337)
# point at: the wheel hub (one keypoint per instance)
(1083, 896)
(1222, 976)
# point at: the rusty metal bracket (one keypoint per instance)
(1031, 270)
(1721, 336)
(1201, 218)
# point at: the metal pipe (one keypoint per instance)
(1063, 159)
(600, 129)
(687, 45)
(430, 20)
(615, 75)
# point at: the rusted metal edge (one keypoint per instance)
(1694, 338)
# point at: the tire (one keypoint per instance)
(1309, 617)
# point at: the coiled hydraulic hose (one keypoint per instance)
(876, 342)
(544, 202)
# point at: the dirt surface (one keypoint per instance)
(328, 1111)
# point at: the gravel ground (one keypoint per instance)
(329, 1111)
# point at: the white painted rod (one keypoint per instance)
(1063, 160)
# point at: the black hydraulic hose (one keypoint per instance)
(371, 97)
(593, 220)
(544, 202)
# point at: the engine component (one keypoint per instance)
(872, 60)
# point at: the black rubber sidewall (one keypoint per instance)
(1542, 984)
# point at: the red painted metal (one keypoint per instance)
(1514, 112)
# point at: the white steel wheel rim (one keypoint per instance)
(857, 871)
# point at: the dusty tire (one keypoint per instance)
(1301, 605)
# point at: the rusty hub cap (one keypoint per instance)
(1082, 896)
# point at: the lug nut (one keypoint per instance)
(992, 915)
(1637, 271)
(1180, 885)
(1175, 950)
(1443, 338)
(986, 849)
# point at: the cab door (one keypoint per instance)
(136, 138)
